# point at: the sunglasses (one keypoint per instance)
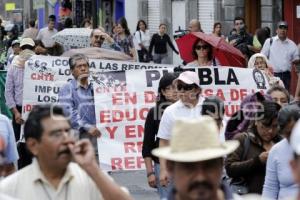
(185, 87)
(283, 27)
(199, 47)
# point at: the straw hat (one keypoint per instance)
(195, 140)
(27, 41)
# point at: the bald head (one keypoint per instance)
(195, 26)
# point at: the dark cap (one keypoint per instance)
(282, 23)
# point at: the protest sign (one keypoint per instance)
(124, 92)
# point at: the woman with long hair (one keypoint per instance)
(166, 96)
(203, 55)
(124, 39)
(142, 37)
(217, 30)
(249, 161)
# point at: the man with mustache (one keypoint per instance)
(101, 39)
(195, 160)
(52, 174)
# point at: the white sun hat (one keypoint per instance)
(189, 77)
(195, 140)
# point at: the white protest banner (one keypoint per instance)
(124, 92)
(44, 75)
(121, 108)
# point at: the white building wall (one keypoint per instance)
(153, 15)
(206, 14)
(131, 14)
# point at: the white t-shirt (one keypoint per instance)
(45, 35)
(174, 112)
(142, 38)
(281, 53)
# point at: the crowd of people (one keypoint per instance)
(191, 150)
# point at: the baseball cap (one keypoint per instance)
(15, 42)
(295, 138)
(282, 23)
(189, 77)
(27, 41)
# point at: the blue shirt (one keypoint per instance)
(7, 132)
(78, 104)
(279, 182)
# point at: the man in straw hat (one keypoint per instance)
(195, 160)
(189, 106)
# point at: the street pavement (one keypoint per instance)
(136, 183)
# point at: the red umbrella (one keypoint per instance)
(226, 54)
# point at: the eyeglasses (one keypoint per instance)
(186, 87)
(59, 134)
(199, 47)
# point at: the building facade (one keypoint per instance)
(178, 13)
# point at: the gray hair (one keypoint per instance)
(76, 57)
(99, 28)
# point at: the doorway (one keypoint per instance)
(252, 15)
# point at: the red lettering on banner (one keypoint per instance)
(44, 77)
(134, 131)
(234, 95)
(231, 109)
(243, 94)
(133, 147)
(124, 98)
(139, 146)
(139, 162)
(143, 113)
(117, 98)
(107, 116)
(127, 163)
(99, 90)
(129, 147)
(220, 94)
(238, 95)
(104, 116)
(111, 131)
(150, 96)
(28, 108)
(208, 92)
(117, 116)
(116, 163)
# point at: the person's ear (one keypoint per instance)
(32, 145)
